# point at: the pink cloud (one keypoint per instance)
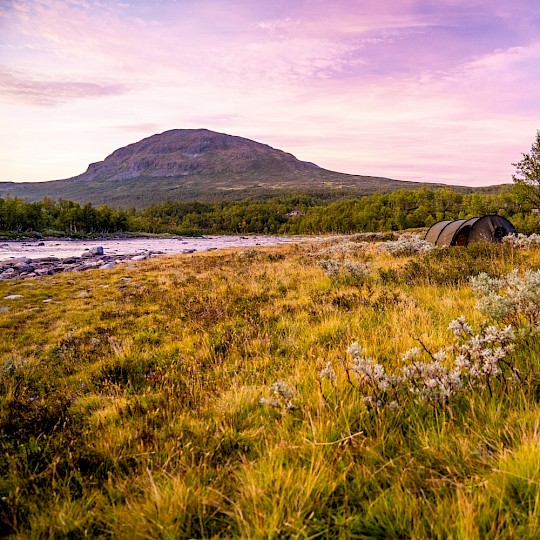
(46, 92)
(403, 89)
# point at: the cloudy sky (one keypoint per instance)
(430, 90)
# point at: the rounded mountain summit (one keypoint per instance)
(198, 164)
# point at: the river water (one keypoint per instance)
(38, 249)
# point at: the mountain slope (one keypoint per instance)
(198, 164)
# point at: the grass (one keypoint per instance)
(130, 404)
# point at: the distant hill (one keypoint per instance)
(199, 164)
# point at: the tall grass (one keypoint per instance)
(134, 410)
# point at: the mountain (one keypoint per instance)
(199, 164)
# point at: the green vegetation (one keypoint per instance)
(292, 214)
(130, 399)
(527, 177)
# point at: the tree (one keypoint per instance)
(527, 177)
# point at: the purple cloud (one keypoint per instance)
(44, 92)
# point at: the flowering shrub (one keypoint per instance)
(522, 240)
(336, 269)
(343, 248)
(472, 361)
(514, 298)
(282, 396)
(408, 244)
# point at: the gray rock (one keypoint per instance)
(96, 250)
(44, 271)
(25, 268)
(13, 296)
(138, 258)
(107, 265)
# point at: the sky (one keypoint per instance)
(424, 90)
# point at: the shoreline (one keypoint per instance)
(42, 257)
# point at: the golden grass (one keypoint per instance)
(133, 408)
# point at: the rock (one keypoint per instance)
(138, 258)
(41, 244)
(83, 294)
(20, 260)
(44, 271)
(25, 268)
(70, 260)
(96, 250)
(186, 251)
(47, 301)
(13, 296)
(107, 265)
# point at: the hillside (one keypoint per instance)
(198, 164)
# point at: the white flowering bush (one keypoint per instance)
(514, 298)
(407, 244)
(474, 360)
(343, 248)
(281, 398)
(336, 269)
(522, 240)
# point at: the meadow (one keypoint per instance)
(261, 394)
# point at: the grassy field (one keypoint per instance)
(131, 401)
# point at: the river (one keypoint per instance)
(38, 249)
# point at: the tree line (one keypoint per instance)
(293, 214)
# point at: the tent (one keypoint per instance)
(464, 231)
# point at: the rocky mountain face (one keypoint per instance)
(183, 152)
(199, 164)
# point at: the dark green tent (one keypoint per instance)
(461, 232)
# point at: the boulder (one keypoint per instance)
(25, 268)
(96, 250)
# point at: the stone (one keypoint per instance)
(138, 258)
(25, 268)
(108, 265)
(96, 250)
(13, 296)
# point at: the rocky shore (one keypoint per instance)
(23, 267)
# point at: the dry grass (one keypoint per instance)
(133, 410)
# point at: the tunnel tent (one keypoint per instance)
(447, 234)
(490, 228)
(435, 231)
(461, 238)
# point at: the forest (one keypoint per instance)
(292, 214)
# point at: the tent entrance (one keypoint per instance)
(462, 236)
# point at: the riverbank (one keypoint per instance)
(19, 260)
